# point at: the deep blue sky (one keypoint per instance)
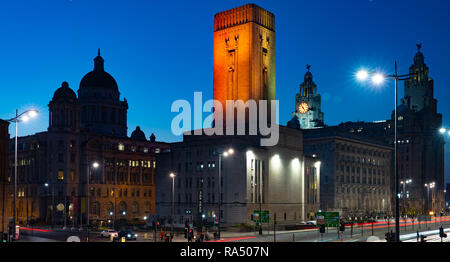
(162, 51)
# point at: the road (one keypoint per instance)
(357, 233)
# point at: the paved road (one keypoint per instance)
(359, 233)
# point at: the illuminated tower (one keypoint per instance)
(419, 89)
(244, 54)
(308, 104)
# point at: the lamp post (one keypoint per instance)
(53, 202)
(112, 219)
(404, 183)
(429, 186)
(226, 153)
(172, 175)
(378, 78)
(23, 117)
(88, 177)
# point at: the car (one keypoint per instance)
(108, 233)
(128, 234)
(312, 222)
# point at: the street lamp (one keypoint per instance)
(429, 186)
(172, 175)
(225, 153)
(404, 183)
(53, 202)
(378, 78)
(88, 177)
(111, 215)
(23, 117)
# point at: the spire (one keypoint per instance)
(419, 59)
(99, 62)
(308, 75)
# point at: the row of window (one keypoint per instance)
(367, 161)
(200, 182)
(347, 190)
(360, 151)
(363, 180)
(120, 192)
(131, 163)
(134, 148)
(199, 166)
(358, 170)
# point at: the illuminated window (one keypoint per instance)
(60, 175)
(121, 147)
(72, 175)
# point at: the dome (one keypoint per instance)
(138, 134)
(64, 93)
(98, 78)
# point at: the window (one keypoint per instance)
(60, 157)
(121, 147)
(60, 175)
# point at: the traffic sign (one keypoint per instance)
(329, 219)
(262, 216)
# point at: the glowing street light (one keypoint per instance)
(362, 75)
(377, 79)
(225, 153)
(172, 175)
(442, 130)
(23, 117)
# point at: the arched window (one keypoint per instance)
(122, 207)
(135, 208)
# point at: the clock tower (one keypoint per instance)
(308, 104)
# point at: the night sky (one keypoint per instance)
(159, 52)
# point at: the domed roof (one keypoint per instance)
(98, 78)
(138, 134)
(64, 93)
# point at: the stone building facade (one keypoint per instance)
(279, 179)
(355, 172)
(54, 165)
(244, 55)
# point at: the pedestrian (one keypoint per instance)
(162, 235)
(418, 236)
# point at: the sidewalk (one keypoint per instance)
(25, 238)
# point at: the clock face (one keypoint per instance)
(303, 108)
